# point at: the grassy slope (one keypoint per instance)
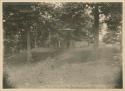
(76, 68)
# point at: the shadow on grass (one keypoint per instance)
(119, 81)
(7, 84)
(21, 58)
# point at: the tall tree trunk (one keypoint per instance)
(35, 40)
(28, 46)
(96, 31)
(96, 27)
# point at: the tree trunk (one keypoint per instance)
(35, 40)
(49, 39)
(68, 43)
(96, 31)
(88, 41)
(121, 46)
(96, 27)
(59, 44)
(68, 39)
(88, 38)
(28, 46)
(35, 43)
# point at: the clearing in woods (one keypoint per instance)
(67, 68)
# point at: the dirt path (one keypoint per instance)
(74, 68)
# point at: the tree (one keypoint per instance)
(114, 23)
(22, 21)
(112, 12)
(20, 17)
(96, 25)
(73, 17)
(45, 22)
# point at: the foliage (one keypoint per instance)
(56, 24)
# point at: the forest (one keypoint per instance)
(64, 32)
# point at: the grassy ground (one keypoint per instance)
(67, 68)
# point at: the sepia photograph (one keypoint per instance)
(62, 45)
